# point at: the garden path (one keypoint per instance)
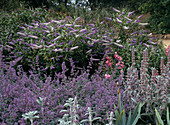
(165, 40)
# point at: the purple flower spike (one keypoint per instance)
(61, 26)
(116, 10)
(69, 43)
(119, 21)
(134, 33)
(44, 69)
(119, 45)
(130, 13)
(89, 51)
(31, 36)
(92, 25)
(140, 16)
(22, 34)
(83, 30)
(128, 19)
(62, 43)
(138, 21)
(77, 19)
(146, 45)
(94, 59)
(121, 14)
(73, 48)
(11, 43)
(23, 28)
(107, 18)
(102, 22)
(57, 38)
(132, 44)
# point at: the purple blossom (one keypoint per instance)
(102, 22)
(130, 13)
(121, 14)
(137, 21)
(89, 51)
(11, 43)
(140, 16)
(61, 26)
(31, 36)
(119, 45)
(83, 30)
(92, 25)
(62, 43)
(107, 18)
(77, 19)
(22, 34)
(143, 24)
(22, 27)
(116, 10)
(69, 43)
(119, 21)
(128, 19)
(134, 33)
(73, 48)
(56, 38)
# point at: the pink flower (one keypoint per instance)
(167, 50)
(108, 62)
(107, 76)
(117, 64)
(122, 65)
(117, 56)
(108, 58)
(119, 67)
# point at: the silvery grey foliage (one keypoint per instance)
(30, 116)
(149, 89)
(72, 117)
(90, 116)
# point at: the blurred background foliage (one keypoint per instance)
(158, 10)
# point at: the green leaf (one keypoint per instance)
(159, 117)
(129, 119)
(167, 116)
(138, 115)
(119, 120)
(116, 112)
(135, 113)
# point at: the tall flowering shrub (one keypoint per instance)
(53, 42)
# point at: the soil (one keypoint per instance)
(165, 40)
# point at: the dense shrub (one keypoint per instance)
(10, 22)
(159, 14)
